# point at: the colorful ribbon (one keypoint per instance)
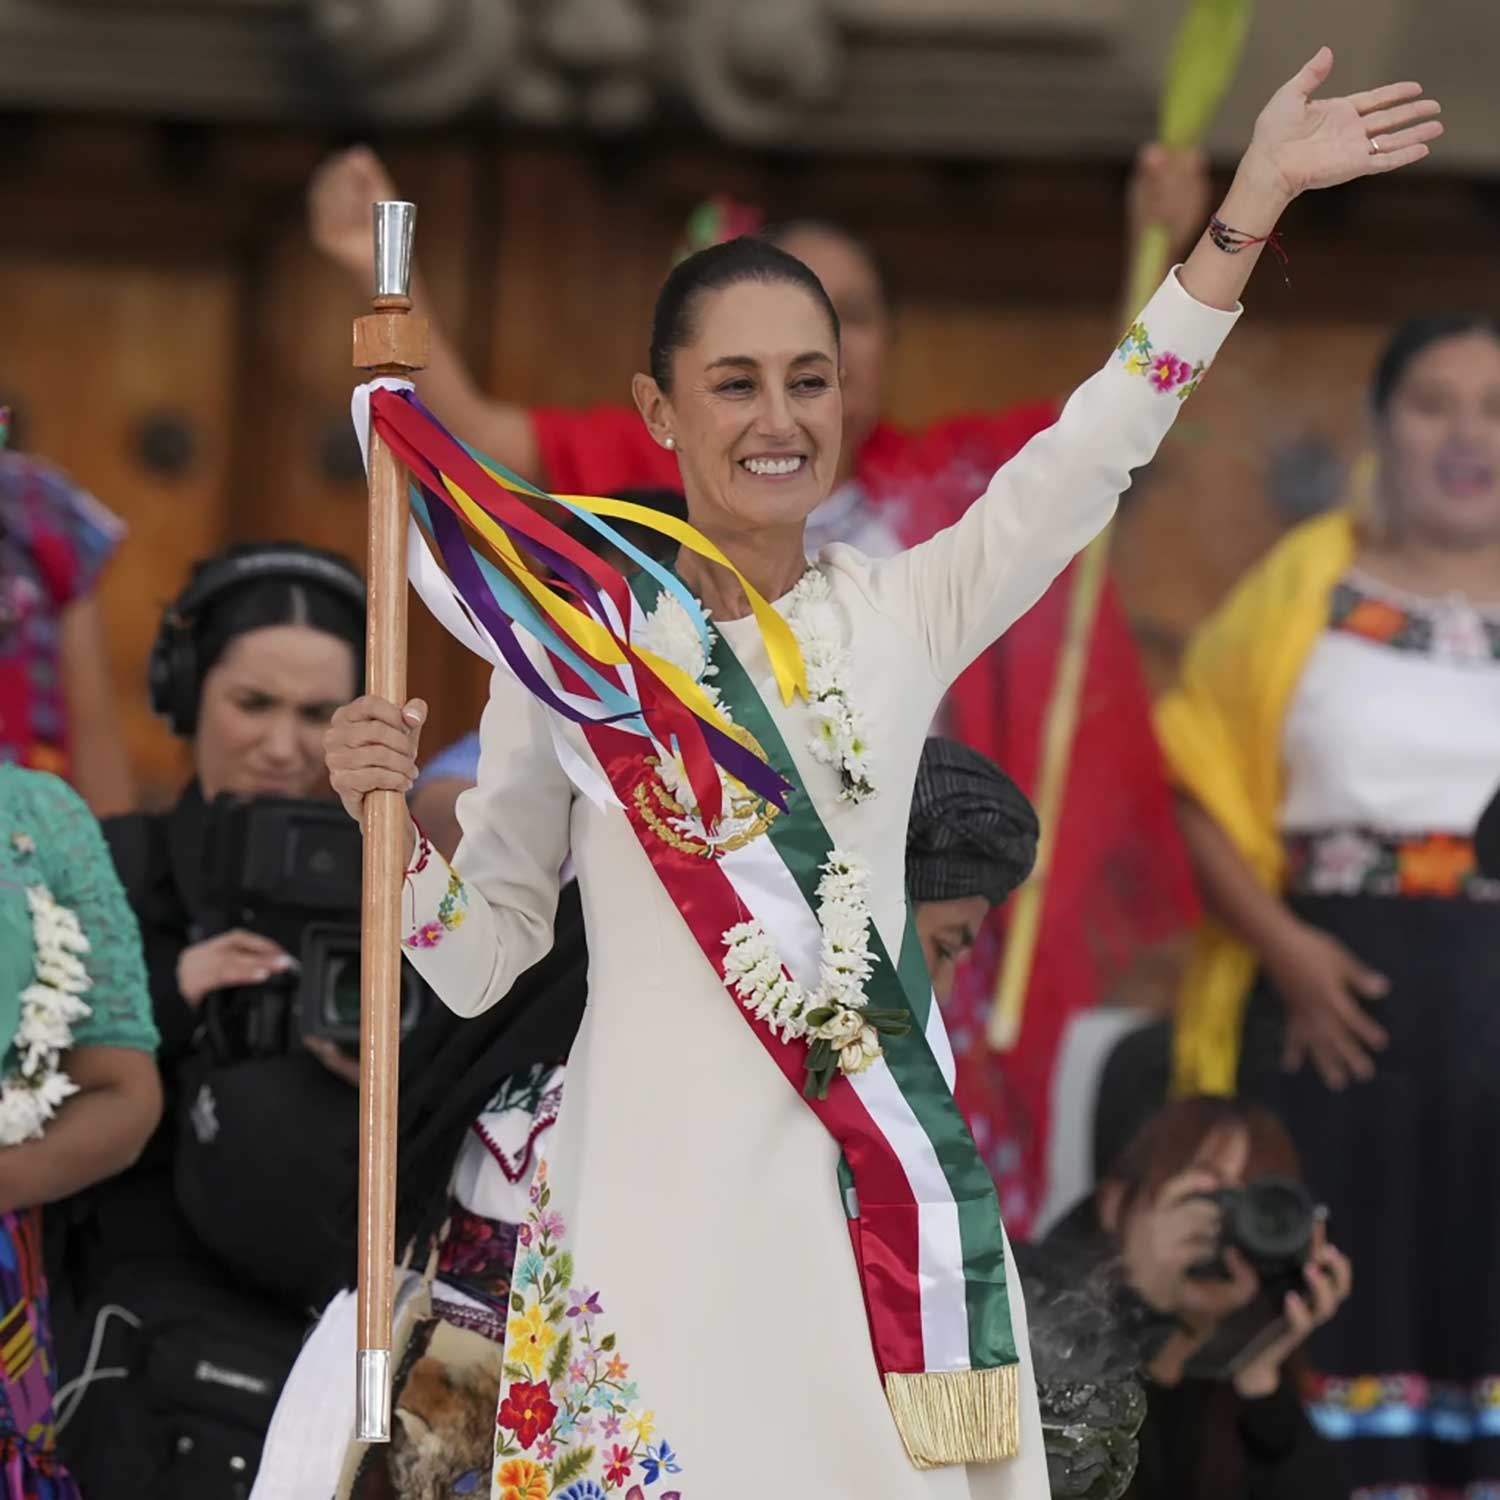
(580, 610)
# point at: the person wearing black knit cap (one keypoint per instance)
(970, 842)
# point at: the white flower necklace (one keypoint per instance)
(838, 738)
(32, 1090)
(842, 1031)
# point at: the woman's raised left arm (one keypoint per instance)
(968, 584)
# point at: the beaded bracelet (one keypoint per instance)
(1231, 241)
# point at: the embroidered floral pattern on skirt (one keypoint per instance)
(1365, 862)
(571, 1425)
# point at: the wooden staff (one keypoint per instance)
(1205, 55)
(387, 341)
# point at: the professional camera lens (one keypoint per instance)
(1271, 1220)
(341, 993)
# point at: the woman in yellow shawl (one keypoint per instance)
(1334, 739)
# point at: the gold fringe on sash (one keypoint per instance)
(957, 1416)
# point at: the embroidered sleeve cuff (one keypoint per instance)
(436, 900)
(1172, 344)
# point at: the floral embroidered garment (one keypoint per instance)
(1388, 750)
(50, 841)
(689, 1251)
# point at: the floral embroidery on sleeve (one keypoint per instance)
(1166, 371)
(452, 910)
(571, 1424)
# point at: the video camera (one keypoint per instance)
(290, 869)
(1271, 1222)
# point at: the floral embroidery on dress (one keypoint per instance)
(1404, 1405)
(1167, 372)
(1362, 862)
(1451, 630)
(571, 1424)
(452, 910)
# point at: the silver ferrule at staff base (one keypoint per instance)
(373, 1424)
(395, 226)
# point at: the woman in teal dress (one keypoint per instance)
(79, 1093)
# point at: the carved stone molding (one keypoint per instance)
(953, 78)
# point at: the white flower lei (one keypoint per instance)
(842, 1032)
(32, 1090)
(838, 738)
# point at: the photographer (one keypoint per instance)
(1226, 1271)
(213, 1246)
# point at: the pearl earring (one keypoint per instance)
(671, 444)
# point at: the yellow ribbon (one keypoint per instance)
(580, 627)
(781, 645)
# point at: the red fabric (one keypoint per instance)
(599, 451)
(1119, 877)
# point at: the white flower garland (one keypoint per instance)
(842, 1031)
(835, 1019)
(838, 737)
(32, 1090)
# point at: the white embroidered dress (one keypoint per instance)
(713, 1307)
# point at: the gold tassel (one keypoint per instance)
(957, 1416)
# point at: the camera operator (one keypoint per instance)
(1226, 1270)
(214, 1266)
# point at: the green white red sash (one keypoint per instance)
(923, 1214)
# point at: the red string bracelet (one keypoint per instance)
(1231, 241)
(421, 854)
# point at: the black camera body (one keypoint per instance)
(1271, 1222)
(290, 869)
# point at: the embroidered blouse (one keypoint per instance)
(1395, 723)
(49, 837)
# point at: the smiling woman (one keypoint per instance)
(745, 387)
(758, 1013)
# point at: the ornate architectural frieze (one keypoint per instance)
(928, 77)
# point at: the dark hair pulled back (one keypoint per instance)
(1413, 338)
(279, 600)
(747, 259)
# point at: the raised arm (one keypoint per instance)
(338, 213)
(969, 583)
(470, 935)
(1301, 143)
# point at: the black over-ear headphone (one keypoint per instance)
(173, 675)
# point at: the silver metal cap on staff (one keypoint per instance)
(395, 227)
(373, 1377)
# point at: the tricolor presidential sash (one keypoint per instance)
(923, 1213)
